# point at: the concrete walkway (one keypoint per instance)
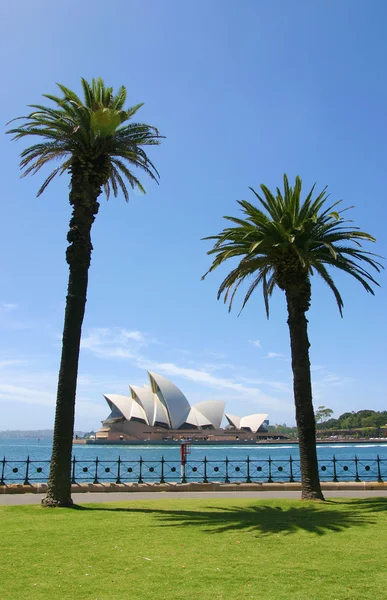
(86, 498)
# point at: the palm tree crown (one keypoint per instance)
(93, 134)
(286, 240)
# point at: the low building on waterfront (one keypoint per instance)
(161, 411)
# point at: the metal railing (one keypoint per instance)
(227, 470)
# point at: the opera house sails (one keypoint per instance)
(162, 412)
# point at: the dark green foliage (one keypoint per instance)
(290, 432)
(355, 420)
(93, 132)
(323, 413)
(289, 240)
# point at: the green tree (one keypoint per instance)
(322, 414)
(282, 242)
(96, 144)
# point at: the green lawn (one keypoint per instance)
(196, 549)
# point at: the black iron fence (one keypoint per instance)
(206, 470)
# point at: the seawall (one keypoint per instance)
(194, 487)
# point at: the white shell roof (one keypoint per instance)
(234, 421)
(213, 411)
(173, 399)
(164, 403)
(253, 421)
(127, 406)
(197, 418)
(161, 415)
(146, 399)
(122, 403)
(138, 412)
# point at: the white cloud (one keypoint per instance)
(332, 379)
(20, 388)
(115, 342)
(240, 391)
(323, 383)
(211, 367)
(8, 306)
(275, 355)
(256, 343)
(133, 335)
(11, 363)
(27, 395)
(279, 386)
(218, 355)
(38, 388)
(121, 344)
(8, 311)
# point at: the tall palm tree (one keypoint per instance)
(282, 242)
(97, 145)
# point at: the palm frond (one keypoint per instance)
(322, 271)
(59, 170)
(97, 127)
(119, 183)
(285, 239)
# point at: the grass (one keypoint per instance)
(196, 549)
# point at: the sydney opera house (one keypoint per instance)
(162, 412)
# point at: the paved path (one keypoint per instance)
(17, 499)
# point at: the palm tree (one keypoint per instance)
(97, 146)
(282, 243)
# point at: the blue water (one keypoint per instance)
(261, 463)
(19, 449)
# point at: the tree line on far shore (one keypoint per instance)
(363, 419)
(363, 423)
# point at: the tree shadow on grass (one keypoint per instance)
(372, 504)
(317, 518)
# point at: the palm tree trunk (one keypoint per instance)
(298, 303)
(59, 486)
(83, 198)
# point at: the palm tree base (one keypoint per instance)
(312, 496)
(51, 502)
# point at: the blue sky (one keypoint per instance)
(243, 91)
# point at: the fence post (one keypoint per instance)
(183, 475)
(356, 469)
(73, 470)
(334, 469)
(118, 470)
(248, 479)
(379, 473)
(26, 482)
(96, 471)
(291, 469)
(270, 480)
(140, 475)
(227, 480)
(2, 482)
(205, 480)
(162, 480)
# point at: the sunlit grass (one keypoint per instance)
(196, 549)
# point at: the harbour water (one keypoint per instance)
(27, 461)
(18, 449)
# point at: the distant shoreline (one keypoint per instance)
(46, 437)
(43, 434)
(220, 442)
